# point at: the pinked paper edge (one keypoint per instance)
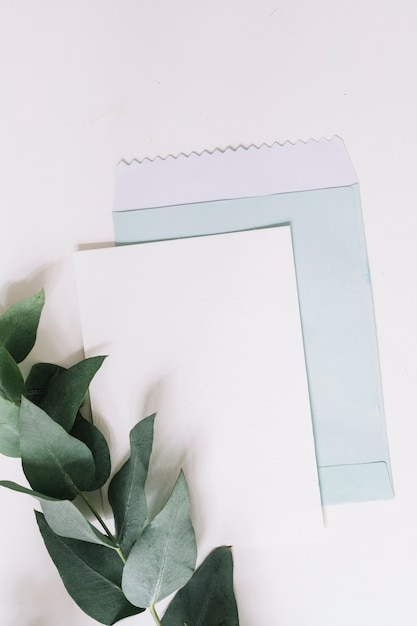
(233, 173)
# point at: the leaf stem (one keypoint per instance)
(155, 615)
(121, 554)
(97, 516)
(104, 525)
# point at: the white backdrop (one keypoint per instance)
(87, 83)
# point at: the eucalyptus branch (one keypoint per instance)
(64, 455)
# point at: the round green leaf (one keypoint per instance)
(38, 380)
(54, 463)
(66, 391)
(9, 428)
(63, 517)
(163, 558)
(208, 598)
(127, 488)
(91, 574)
(19, 325)
(95, 441)
(12, 384)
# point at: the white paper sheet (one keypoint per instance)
(206, 331)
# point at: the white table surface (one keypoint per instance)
(85, 84)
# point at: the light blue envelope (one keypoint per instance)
(335, 302)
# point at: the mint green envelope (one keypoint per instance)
(313, 187)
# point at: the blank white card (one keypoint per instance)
(206, 332)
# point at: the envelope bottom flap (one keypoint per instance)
(359, 482)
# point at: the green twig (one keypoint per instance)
(155, 615)
(104, 525)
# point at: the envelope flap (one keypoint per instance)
(240, 173)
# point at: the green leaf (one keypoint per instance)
(54, 463)
(9, 428)
(19, 325)
(164, 556)
(12, 384)
(127, 488)
(40, 375)
(91, 574)
(66, 520)
(94, 439)
(63, 517)
(208, 598)
(66, 392)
